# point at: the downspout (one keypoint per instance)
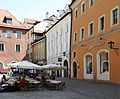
(70, 41)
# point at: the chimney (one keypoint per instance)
(47, 15)
(58, 14)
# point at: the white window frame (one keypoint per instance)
(3, 48)
(99, 25)
(16, 49)
(89, 34)
(0, 33)
(76, 10)
(90, 3)
(87, 76)
(82, 36)
(82, 7)
(102, 65)
(10, 34)
(111, 22)
(74, 53)
(8, 21)
(20, 34)
(99, 75)
(75, 37)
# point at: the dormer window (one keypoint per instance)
(7, 20)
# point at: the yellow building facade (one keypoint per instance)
(95, 41)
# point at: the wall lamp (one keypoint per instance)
(111, 46)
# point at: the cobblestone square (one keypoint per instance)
(76, 89)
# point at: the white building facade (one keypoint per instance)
(58, 44)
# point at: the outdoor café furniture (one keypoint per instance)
(31, 84)
(55, 85)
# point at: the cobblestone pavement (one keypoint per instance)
(76, 89)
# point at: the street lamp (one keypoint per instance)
(111, 44)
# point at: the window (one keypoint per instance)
(115, 16)
(18, 34)
(81, 33)
(103, 67)
(75, 37)
(90, 29)
(83, 7)
(101, 23)
(76, 12)
(9, 34)
(17, 48)
(9, 21)
(91, 2)
(88, 64)
(88, 68)
(2, 47)
(74, 54)
(0, 33)
(1, 65)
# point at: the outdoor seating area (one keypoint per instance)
(30, 84)
(30, 78)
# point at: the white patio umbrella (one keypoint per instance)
(53, 67)
(25, 65)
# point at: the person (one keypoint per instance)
(21, 81)
(53, 76)
(3, 80)
(43, 78)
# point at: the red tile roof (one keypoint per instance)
(15, 23)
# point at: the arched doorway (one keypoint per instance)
(66, 70)
(74, 70)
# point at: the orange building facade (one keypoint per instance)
(95, 41)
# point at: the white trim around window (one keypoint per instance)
(90, 3)
(100, 28)
(0, 33)
(16, 49)
(2, 49)
(89, 28)
(76, 13)
(87, 76)
(9, 33)
(111, 16)
(82, 32)
(99, 75)
(83, 7)
(20, 34)
(75, 37)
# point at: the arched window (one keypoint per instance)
(103, 60)
(88, 64)
(103, 68)
(1, 65)
(88, 68)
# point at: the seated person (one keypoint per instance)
(43, 78)
(53, 76)
(21, 81)
(3, 80)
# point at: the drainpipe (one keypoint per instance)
(70, 41)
